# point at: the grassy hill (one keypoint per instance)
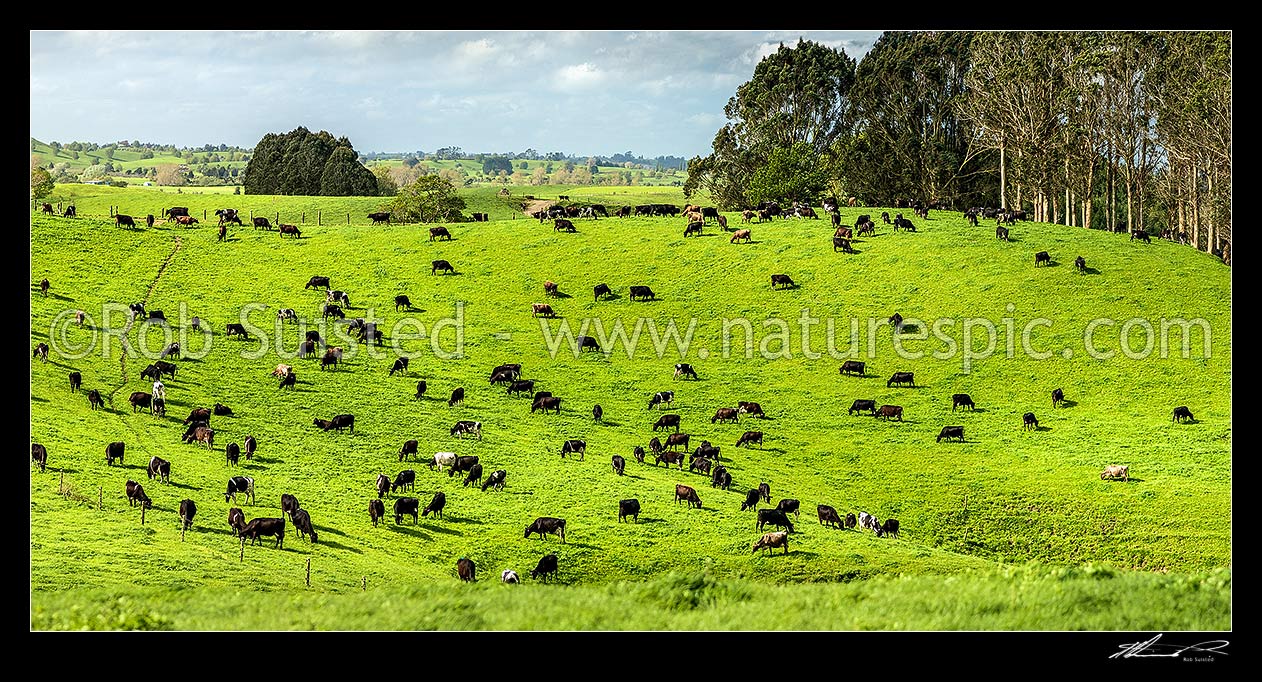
(1003, 496)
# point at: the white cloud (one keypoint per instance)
(579, 75)
(476, 50)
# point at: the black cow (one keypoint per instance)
(563, 225)
(852, 367)
(402, 301)
(677, 439)
(76, 380)
(1058, 397)
(39, 455)
(547, 525)
(851, 521)
(662, 398)
(165, 368)
(289, 505)
(383, 485)
(463, 463)
(1001, 233)
(749, 438)
(619, 465)
(261, 527)
(670, 458)
(136, 495)
(120, 220)
(789, 505)
(435, 505)
(1042, 257)
(641, 292)
(382, 217)
(463, 427)
(376, 511)
(443, 265)
(629, 508)
(339, 422)
(400, 366)
(546, 403)
(221, 410)
(574, 446)
(860, 405)
(316, 281)
(457, 396)
(597, 413)
(890, 528)
(495, 480)
(1028, 421)
(238, 329)
(547, 566)
(774, 517)
(765, 491)
(1141, 235)
(751, 409)
(1081, 264)
(602, 290)
(251, 445)
(585, 342)
(901, 378)
(751, 499)
(409, 448)
(638, 454)
(829, 516)
(420, 388)
(666, 421)
(406, 480)
(94, 399)
(706, 449)
(781, 280)
(475, 475)
(694, 228)
(114, 451)
(139, 399)
(950, 432)
(686, 370)
(236, 520)
(962, 400)
(1182, 414)
(239, 484)
(302, 522)
(289, 380)
(720, 478)
(160, 469)
(407, 505)
(527, 387)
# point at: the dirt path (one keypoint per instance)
(122, 361)
(537, 205)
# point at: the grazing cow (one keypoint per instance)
(1115, 471)
(513, 369)
(850, 522)
(175, 212)
(638, 454)
(720, 478)
(866, 520)
(1029, 421)
(597, 413)
(80, 317)
(376, 511)
(950, 432)
(201, 434)
(402, 301)
(686, 370)
(901, 378)
(527, 387)
(76, 380)
(338, 422)
(237, 329)
(845, 232)
(1042, 257)
(749, 438)
(240, 484)
(443, 265)
(382, 217)
(47, 208)
(495, 480)
(666, 421)
(282, 371)
(770, 541)
(472, 428)
(751, 499)
(437, 232)
(1140, 235)
(290, 229)
(829, 516)
(641, 292)
(1058, 397)
(222, 410)
(537, 309)
(694, 228)
(700, 464)
(400, 366)
(290, 380)
(316, 282)
(748, 216)
(890, 528)
(200, 414)
(409, 506)
(1181, 414)
(165, 368)
(546, 566)
(383, 485)
(781, 280)
(409, 448)
(289, 505)
(1081, 264)
(406, 480)
(39, 455)
(602, 290)
(457, 397)
(236, 520)
(662, 398)
(725, 414)
(466, 570)
(120, 220)
(962, 400)
(435, 505)
(475, 475)
(308, 349)
(136, 495)
(158, 407)
(789, 505)
(338, 296)
(547, 525)
(574, 446)
(670, 458)
(41, 352)
(677, 439)
(250, 446)
(420, 389)
(774, 517)
(43, 286)
(865, 228)
(1001, 233)
(738, 235)
(94, 399)
(465, 463)
(852, 367)
(843, 244)
(551, 288)
(329, 310)
(706, 449)
(888, 412)
(687, 494)
(765, 491)
(546, 403)
(302, 522)
(160, 469)
(562, 225)
(256, 529)
(139, 399)
(751, 409)
(655, 445)
(186, 220)
(619, 465)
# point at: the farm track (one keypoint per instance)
(122, 360)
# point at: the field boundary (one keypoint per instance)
(122, 360)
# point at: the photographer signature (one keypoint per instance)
(1138, 649)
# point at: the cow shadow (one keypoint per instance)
(184, 486)
(338, 545)
(650, 520)
(612, 296)
(977, 409)
(561, 294)
(779, 450)
(609, 422)
(581, 545)
(1090, 271)
(1042, 428)
(216, 531)
(462, 519)
(1193, 420)
(1068, 403)
(39, 399)
(908, 329)
(444, 531)
(1052, 264)
(414, 531)
(66, 470)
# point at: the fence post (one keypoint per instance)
(348, 219)
(182, 528)
(318, 217)
(251, 215)
(100, 493)
(308, 571)
(243, 548)
(304, 217)
(203, 214)
(278, 220)
(365, 583)
(61, 484)
(142, 513)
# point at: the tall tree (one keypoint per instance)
(431, 198)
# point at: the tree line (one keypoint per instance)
(1107, 130)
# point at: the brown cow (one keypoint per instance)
(687, 494)
(1115, 471)
(537, 309)
(888, 412)
(770, 541)
(740, 234)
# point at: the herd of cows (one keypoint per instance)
(704, 459)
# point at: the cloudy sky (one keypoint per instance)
(582, 92)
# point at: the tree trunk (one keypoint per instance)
(1210, 244)
(1196, 207)
(1003, 178)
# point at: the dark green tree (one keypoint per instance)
(345, 176)
(494, 164)
(790, 174)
